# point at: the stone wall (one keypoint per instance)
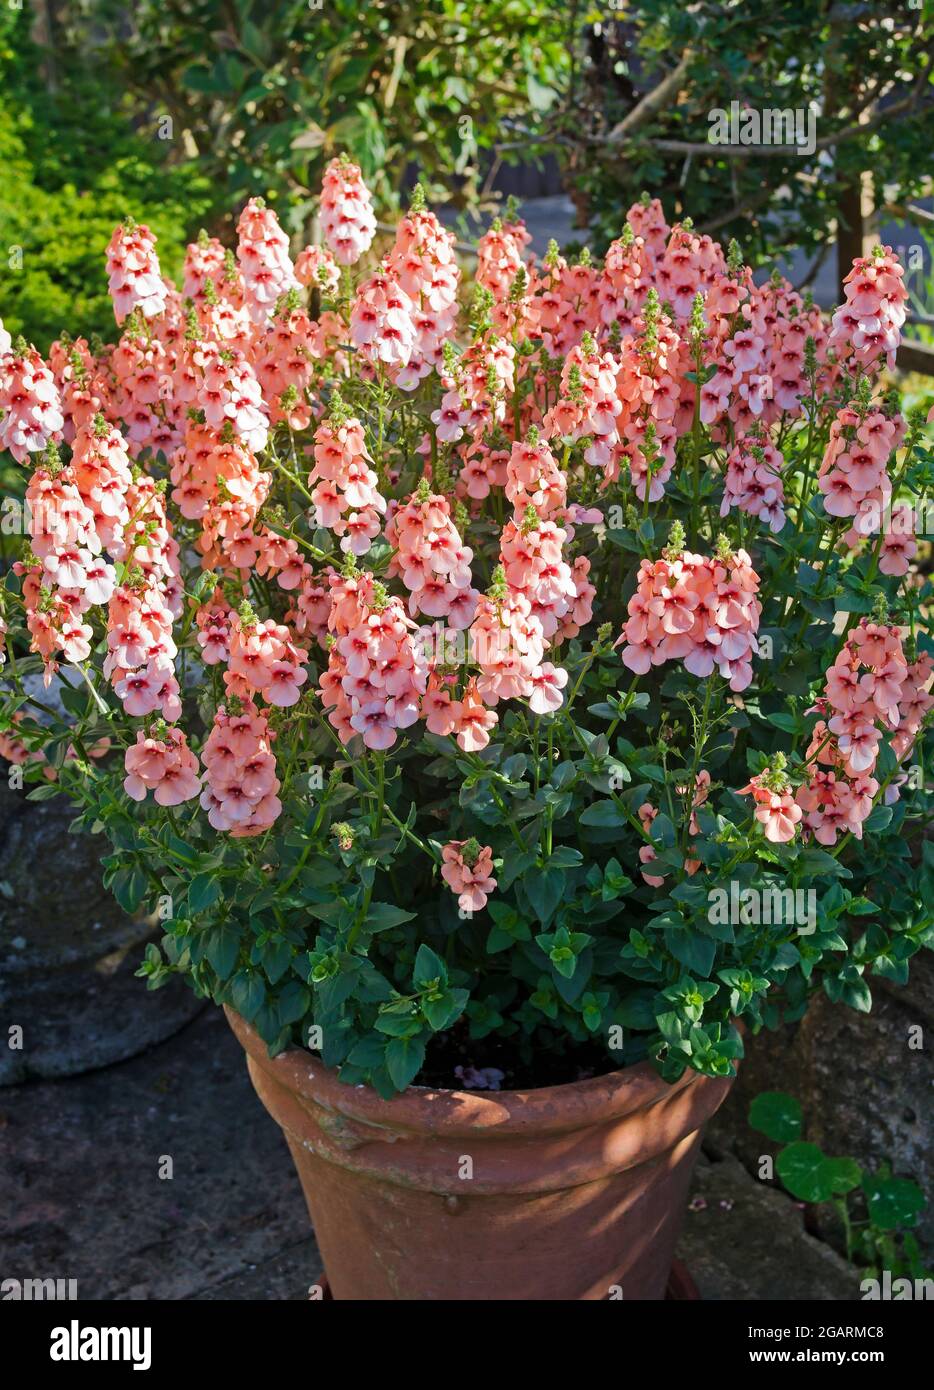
(865, 1093)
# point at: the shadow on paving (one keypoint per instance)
(82, 1196)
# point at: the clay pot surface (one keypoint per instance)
(567, 1192)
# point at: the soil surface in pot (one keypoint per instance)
(539, 1066)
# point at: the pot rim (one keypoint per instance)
(570, 1105)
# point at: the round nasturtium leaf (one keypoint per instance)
(806, 1172)
(776, 1115)
(844, 1174)
(892, 1202)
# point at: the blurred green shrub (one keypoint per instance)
(73, 167)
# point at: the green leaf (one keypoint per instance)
(223, 947)
(500, 939)
(892, 1202)
(334, 913)
(428, 967)
(564, 857)
(404, 1058)
(442, 1011)
(276, 958)
(381, 916)
(514, 867)
(844, 1175)
(369, 1052)
(203, 892)
(853, 991)
(790, 723)
(44, 791)
(247, 994)
(544, 889)
(398, 1025)
(128, 888)
(694, 951)
(637, 1010)
(605, 814)
(294, 1002)
(878, 818)
(803, 1168)
(817, 861)
(776, 1115)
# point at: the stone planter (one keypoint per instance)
(68, 953)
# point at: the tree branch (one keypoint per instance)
(647, 105)
(909, 212)
(908, 106)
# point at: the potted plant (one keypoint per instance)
(510, 694)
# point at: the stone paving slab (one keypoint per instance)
(748, 1242)
(80, 1190)
(81, 1196)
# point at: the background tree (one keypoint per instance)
(264, 95)
(638, 116)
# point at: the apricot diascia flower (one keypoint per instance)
(467, 869)
(347, 217)
(240, 782)
(165, 766)
(776, 809)
(229, 450)
(697, 609)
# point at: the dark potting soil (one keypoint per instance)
(541, 1067)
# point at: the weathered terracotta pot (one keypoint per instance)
(568, 1192)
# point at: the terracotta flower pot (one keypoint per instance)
(561, 1193)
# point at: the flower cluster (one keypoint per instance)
(345, 488)
(134, 277)
(263, 256)
(698, 609)
(868, 325)
(382, 323)
(862, 697)
(431, 559)
(240, 782)
(776, 811)
(347, 218)
(264, 660)
(375, 672)
(424, 266)
(853, 476)
(753, 481)
(163, 765)
(30, 411)
(140, 661)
